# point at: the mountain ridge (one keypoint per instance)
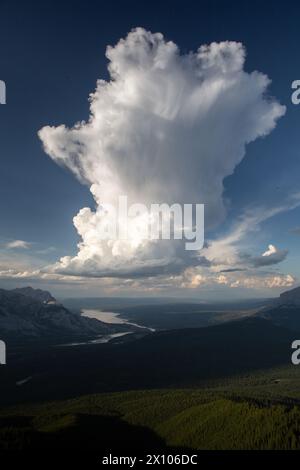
(33, 313)
(284, 311)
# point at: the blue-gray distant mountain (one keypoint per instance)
(290, 298)
(285, 311)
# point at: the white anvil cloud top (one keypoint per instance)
(166, 128)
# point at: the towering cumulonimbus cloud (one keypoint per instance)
(167, 127)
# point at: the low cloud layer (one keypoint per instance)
(167, 127)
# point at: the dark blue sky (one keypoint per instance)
(52, 53)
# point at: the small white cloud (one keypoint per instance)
(46, 251)
(271, 256)
(18, 244)
(270, 251)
